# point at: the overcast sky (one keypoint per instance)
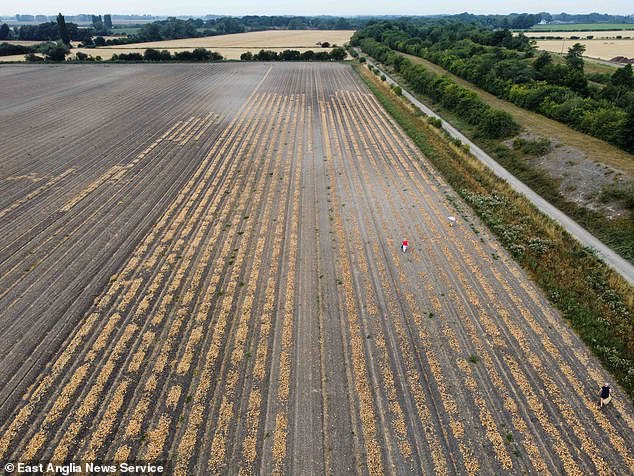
(310, 7)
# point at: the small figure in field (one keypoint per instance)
(404, 246)
(452, 221)
(606, 395)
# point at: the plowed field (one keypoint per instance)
(200, 264)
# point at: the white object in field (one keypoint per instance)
(452, 221)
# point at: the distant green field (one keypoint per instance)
(584, 27)
(133, 30)
(125, 30)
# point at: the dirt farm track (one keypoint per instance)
(200, 264)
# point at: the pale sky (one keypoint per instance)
(312, 7)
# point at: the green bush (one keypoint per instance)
(7, 49)
(623, 193)
(501, 151)
(33, 58)
(496, 124)
(537, 147)
(54, 51)
(434, 121)
(127, 57)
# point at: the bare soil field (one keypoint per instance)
(602, 49)
(200, 264)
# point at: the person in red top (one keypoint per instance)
(404, 246)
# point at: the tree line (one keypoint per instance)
(507, 66)
(490, 123)
(204, 55)
(44, 32)
(101, 26)
(58, 51)
(197, 55)
(524, 21)
(336, 54)
(7, 49)
(52, 51)
(175, 28)
(83, 18)
(50, 31)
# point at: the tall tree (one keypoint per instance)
(621, 88)
(544, 59)
(55, 51)
(63, 29)
(574, 58)
(5, 32)
(628, 130)
(623, 77)
(97, 24)
(107, 21)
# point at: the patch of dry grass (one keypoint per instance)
(10, 58)
(21, 42)
(253, 41)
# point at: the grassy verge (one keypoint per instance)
(598, 303)
(617, 233)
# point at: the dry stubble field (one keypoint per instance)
(232, 46)
(602, 49)
(256, 39)
(229, 46)
(201, 264)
